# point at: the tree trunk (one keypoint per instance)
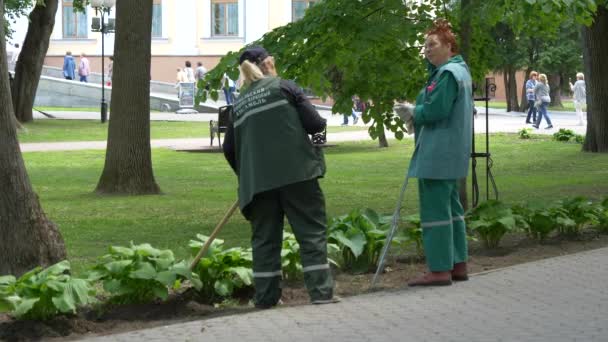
(31, 59)
(595, 48)
(382, 141)
(555, 90)
(128, 164)
(511, 88)
(27, 237)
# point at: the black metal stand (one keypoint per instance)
(103, 28)
(489, 91)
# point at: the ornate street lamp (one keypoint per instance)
(102, 8)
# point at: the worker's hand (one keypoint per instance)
(405, 111)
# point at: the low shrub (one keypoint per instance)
(581, 212)
(564, 134)
(221, 272)
(525, 133)
(413, 233)
(44, 293)
(141, 273)
(491, 220)
(360, 236)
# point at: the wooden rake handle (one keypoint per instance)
(215, 232)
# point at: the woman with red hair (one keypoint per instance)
(442, 121)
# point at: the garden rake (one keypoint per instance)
(389, 238)
(214, 233)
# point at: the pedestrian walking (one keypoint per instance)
(84, 68)
(229, 88)
(268, 147)
(580, 96)
(541, 92)
(530, 84)
(110, 70)
(189, 72)
(442, 118)
(69, 66)
(200, 72)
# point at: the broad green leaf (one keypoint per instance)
(161, 292)
(123, 251)
(143, 270)
(355, 241)
(166, 277)
(7, 280)
(24, 306)
(245, 274)
(223, 287)
(119, 266)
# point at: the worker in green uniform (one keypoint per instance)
(442, 121)
(269, 148)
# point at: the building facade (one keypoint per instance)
(194, 30)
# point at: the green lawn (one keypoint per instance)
(568, 105)
(91, 130)
(199, 187)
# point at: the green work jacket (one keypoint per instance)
(443, 123)
(272, 148)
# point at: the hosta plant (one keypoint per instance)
(539, 220)
(44, 293)
(141, 273)
(360, 236)
(222, 271)
(491, 220)
(564, 134)
(413, 233)
(525, 133)
(580, 210)
(602, 226)
(291, 263)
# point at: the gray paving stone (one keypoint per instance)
(558, 299)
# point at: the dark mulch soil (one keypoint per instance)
(186, 307)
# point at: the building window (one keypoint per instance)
(224, 17)
(157, 19)
(74, 23)
(298, 7)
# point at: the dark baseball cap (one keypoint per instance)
(254, 54)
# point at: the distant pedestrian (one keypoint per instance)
(12, 53)
(229, 88)
(180, 77)
(200, 72)
(530, 84)
(580, 96)
(84, 68)
(69, 66)
(541, 92)
(189, 72)
(110, 70)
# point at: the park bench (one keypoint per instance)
(219, 126)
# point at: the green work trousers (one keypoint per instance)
(304, 205)
(443, 227)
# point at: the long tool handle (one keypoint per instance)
(216, 231)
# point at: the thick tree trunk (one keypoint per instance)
(31, 59)
(465, 43)
(511, 88)
(128, 164)
(27, 237)
(555, 90)
(595, 49)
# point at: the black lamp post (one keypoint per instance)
(103, 7)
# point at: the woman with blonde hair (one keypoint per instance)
(268, 147)
(580, 96)
(541, 91)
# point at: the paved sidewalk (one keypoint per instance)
(557, 299)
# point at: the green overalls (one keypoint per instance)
(443, 119)
(278, 169)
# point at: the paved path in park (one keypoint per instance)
(498, 121)
(558, 299)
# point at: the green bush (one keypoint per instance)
(44, 293)
(525, 133)
(579, 139)
(141, 273)
(563, 134)
(360, 237)
(222, 271)
(539, 221)
(491, 220)
(581, 212)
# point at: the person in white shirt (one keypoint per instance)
(580, 96)
(189, 72)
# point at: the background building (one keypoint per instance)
(194, 30)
